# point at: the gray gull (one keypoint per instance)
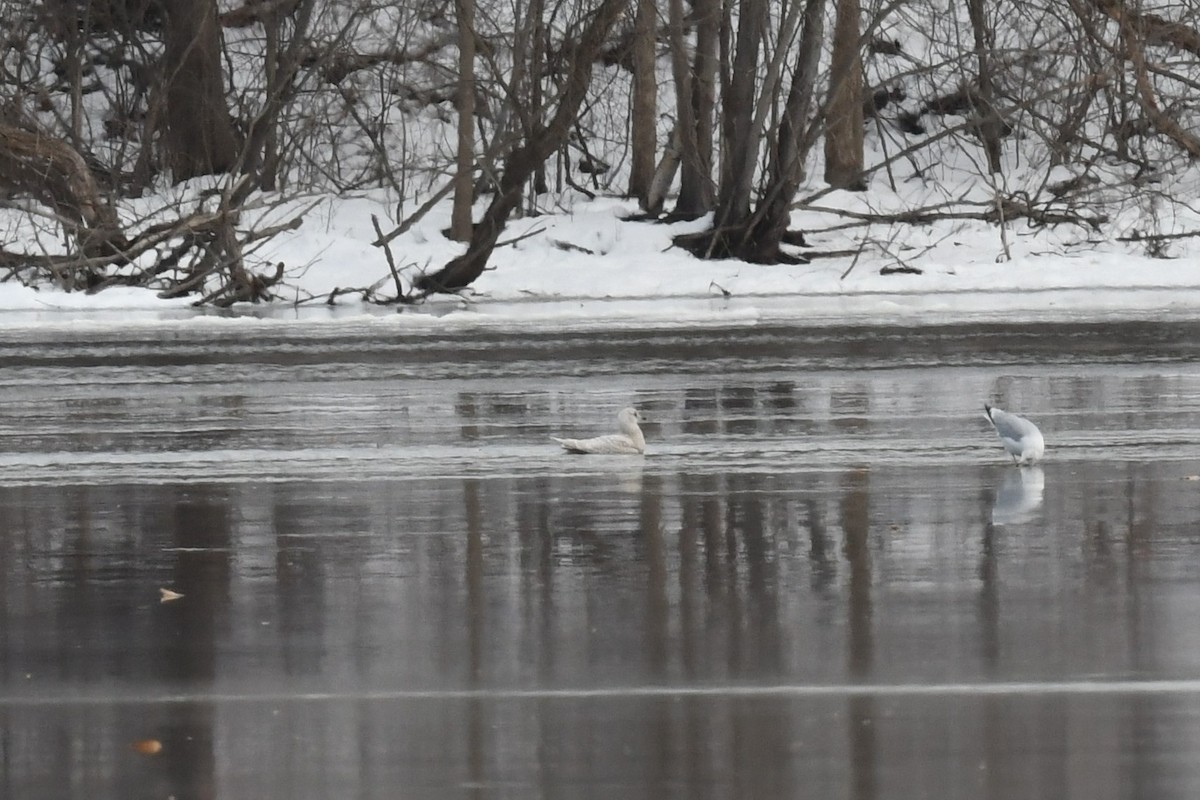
(1020, 437)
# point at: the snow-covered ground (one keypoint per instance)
(589, 266)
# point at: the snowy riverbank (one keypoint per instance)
(590, 267)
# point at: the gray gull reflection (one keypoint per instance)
(629, 441)
(1020, 437)
(1019, 496)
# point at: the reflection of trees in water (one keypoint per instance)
(663, 576)
(658, 604)
(856, 548)
(850, 407)
(739, 407)
(855, 519)
(736, 407)
(478, 412)
(741, 410)
(823, 560)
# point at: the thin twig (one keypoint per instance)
(387, 251)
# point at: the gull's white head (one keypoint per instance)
(628, 419)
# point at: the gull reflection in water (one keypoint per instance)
(1019, 496)
(630, 476)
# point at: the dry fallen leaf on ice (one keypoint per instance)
(166, 595)
(147, 747)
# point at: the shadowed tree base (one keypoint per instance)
(742, 244)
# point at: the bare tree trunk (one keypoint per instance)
(664, 173)
(704, 98)
(537, 63)
(464, 175)
(739, 144)
(695, 98)
(989, 125)
(269, 174)
(786, 169)
(523, 161)
(644, 113)
(844, 130)
(199, 137)
(685, 114)
(736, 231)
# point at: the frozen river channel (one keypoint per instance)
(825, 579)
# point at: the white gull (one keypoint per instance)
(1020, 437)
(629, 441)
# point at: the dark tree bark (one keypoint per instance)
(704, 100)
(664, 173)
(844, 128)
(740, 140)
(695, 98)
(199, 131)
(643, 138)
(786, 169)
(685, 114)
(269, 172)
(989, 121)
(757, 236)
(464, 175)
(537, 68)
(524, 160)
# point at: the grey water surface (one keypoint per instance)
(825, 579)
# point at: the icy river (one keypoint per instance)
(825, 579)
